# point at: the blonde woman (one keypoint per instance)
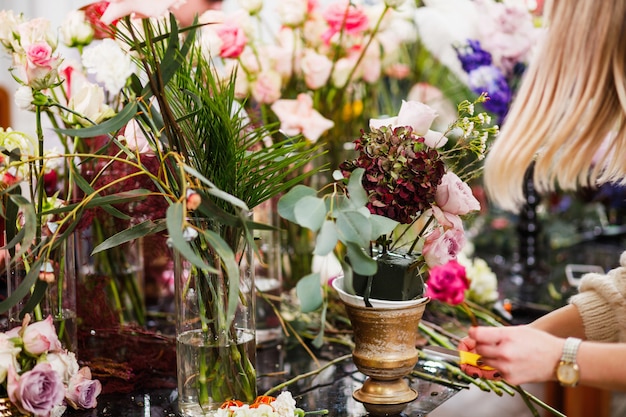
(570, 118)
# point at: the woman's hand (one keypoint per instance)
(468, 345)
(520, 354)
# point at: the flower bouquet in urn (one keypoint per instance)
(394, 211)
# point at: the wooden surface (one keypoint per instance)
(5, 108)
(579, 401)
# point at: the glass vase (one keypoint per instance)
(111, 280)
(268, 275)
(215, 353)
(59, 298)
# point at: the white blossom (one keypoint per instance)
(111, 65)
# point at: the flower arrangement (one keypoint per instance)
(39, 376)
(264, 405)
(400, 195)
(318, 66)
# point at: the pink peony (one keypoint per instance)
(455, 196)
(447, 283)
(36, 391)
(41, 337)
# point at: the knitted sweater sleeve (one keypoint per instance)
(601, 302)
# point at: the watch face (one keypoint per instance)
(567, 373)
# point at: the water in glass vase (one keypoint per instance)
(211, 372)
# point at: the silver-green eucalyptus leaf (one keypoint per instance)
(287, 203)
(327, 238)
(309, 292)
(310, 212)
(381, 225)
(354, 227)
(357, 193)
(361, 262)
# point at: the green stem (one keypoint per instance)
(307, 374)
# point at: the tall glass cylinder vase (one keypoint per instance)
(268, 275)
(111, 280)
(215, 351)
(59, 298)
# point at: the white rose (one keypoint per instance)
(76, 30)
(8, 357)
(394, 3)
(64, 364)
(89, 102)
(35, 31)
(251, 6)
(8, 27)
(284, 404)
(292, 12)
(24, 98)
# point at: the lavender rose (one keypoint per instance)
(82, 391)
(36, 391)
(454, 196)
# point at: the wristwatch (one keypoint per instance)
(567, 371)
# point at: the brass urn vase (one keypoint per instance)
(385, 351)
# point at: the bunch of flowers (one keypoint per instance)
(313, 67)
(39, 376)
(405, 192)
(263, 406)
(487, 43)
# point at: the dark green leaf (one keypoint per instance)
(140, 230)
(110, 126)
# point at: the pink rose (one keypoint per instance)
(299, 116)
(344, 16)
(415, 114)
(442, 245)
(455, 196)
(233, 40)
(36, 391)
(447, 283)
(266, 89)
(82, 391)
(40, 337)
(316, 68)
(136, 140)
(141, 8)
(39, 54)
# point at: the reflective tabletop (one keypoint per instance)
(331, 389)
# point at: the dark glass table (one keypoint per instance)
(331, 389)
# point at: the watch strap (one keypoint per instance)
(570, 348)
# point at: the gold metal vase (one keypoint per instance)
(385, 351)
(7, 409)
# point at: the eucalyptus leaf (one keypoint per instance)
(287, 203)
(30, 223)
(310, 212)
(381, 225)
(357, 193)
(309, 292)
(361, 262)
(348, 282)
(354, 227)
(318, 342)
(327, 238)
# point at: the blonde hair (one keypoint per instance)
(568, 115)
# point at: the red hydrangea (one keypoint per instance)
(401, 172)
